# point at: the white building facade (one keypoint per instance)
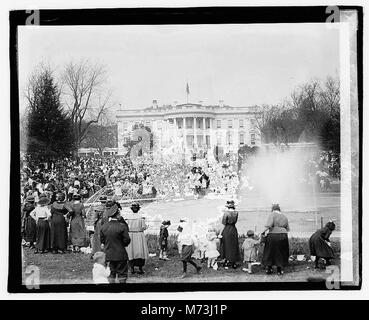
(192, 128)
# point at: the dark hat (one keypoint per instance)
(43, 200)
(250, 233)
(330, 225)
(135, 205)
(30, 199)
(275, 206)
(103, 199)
(76, 197)
(112, 210)
(230, 204)
(109, 203)
(166, 223)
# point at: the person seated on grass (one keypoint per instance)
(100, 272)
(249, 248)
(320, 246)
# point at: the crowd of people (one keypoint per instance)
(147, 179)
(53, 216)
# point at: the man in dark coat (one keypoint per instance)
(114, 236)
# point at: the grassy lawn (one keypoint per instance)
(76, 268)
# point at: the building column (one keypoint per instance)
(175, 132)
(184, 134)
(194, 132)
(203, 132)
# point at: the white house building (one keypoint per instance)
(192, 127)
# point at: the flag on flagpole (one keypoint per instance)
(187, 89)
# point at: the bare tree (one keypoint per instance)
(85, 97)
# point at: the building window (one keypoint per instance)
(229, 123)
(159, 124)
(253, 138)
(241, 123)
(219, 140)
(219, 124)
(207, 123)
(190, 140)
(200, 141)
(229, 138)
(148, 124)
(198, 124)
(189, 124)
(125, 125)
(207, 141)
(242, 139)
(253, 124)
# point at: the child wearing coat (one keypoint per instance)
(249, 248)
(163, 239)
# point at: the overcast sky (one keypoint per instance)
(240, 64)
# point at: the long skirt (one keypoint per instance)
(187, 252)
(137, 249)
(30, 229)
(318, 247)
(96, 242)
(59, 233)
(42, 235)
(229, 248)
(136, 263)
(77, 232)
(276, 250)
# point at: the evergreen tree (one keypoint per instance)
(50, 132)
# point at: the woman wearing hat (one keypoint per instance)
(41, 215)
(137, 250)
(28, 223)
(229, 248)
(77, 232)
(59, 233)
(320, 246)
(276, 250)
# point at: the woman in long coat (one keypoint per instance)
(276, 250)
(229, 248)
(98, 216)
(77, 233)
(320, 246)
(137, 250)
(59, 233)
(28, 223)
(41, 214)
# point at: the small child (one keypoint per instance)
(211, 249)
(163, 240)
(249, 248)
(185, 248)
(100, 272)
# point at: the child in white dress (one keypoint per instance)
(100, 271)
(211, 249)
